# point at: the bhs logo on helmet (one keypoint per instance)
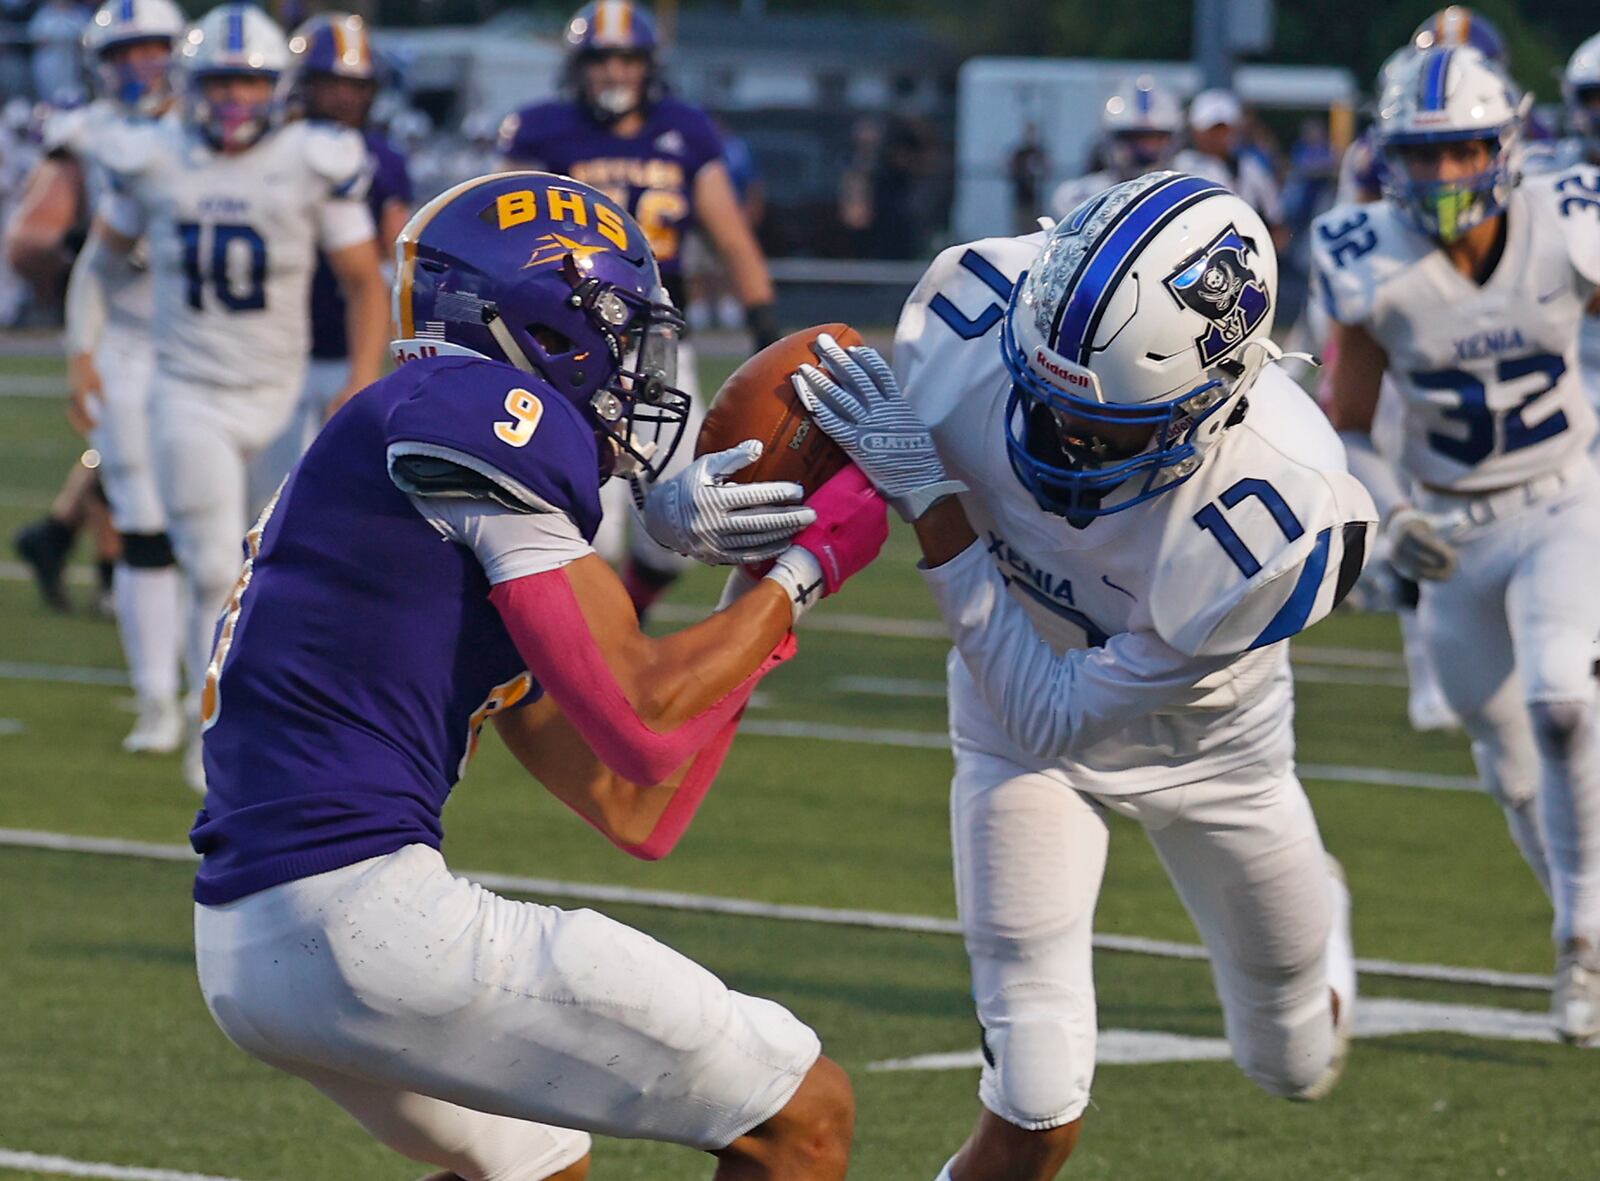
(1217, 282)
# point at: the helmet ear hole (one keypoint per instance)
(553, 342)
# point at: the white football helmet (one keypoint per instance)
(1151, 305)
(1580, 86)
(1448, 96)
(235, 40)
(1140, 121)
(120, 24)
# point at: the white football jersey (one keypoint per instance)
(1208, 579)
(1559, 156)
(97, 136)
(233, 243)
(1488, 374)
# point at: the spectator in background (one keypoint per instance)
(1028, 169)
(857, 212)
(56, 31)
(1216, 124)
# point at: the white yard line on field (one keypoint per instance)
(1375, 1017)
(63, 674)
(746, 908)
(61, 1166)
(30, 385)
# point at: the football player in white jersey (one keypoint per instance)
(1361, 175)
(1580, 87)
(1139, 126)
(128, 44)
(234, 207)
(1125, 509)
(1467, 287)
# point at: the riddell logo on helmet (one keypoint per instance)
(1043, 361)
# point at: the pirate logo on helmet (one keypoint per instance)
(1217, 282)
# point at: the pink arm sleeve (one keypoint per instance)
(542, 615)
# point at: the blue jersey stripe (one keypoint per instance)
(1296, 610)
(1433, 81)
(1109, 258)
(236, 29)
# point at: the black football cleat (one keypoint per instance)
(45, 546)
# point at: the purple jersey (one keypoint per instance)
(651, 174)
(390, 182)
(360, 654)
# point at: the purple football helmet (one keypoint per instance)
(554, 277)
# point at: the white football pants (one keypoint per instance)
(146, 590)
(324, 380)
(472, 1032)
(621, 533)
(214, 474)
(1244, 853)
(1512, 636)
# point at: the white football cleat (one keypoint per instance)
(1341, 963)
(1575, 1002)
(194, 766)
(159, 729)
(1427, 709)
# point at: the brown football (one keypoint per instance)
(758, 402)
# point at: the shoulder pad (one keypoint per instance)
(67, 132)
(521, 131)
(134, 149)
(1569, 200)
(1355, 249)
(1259, 552)
(338, 156)
(959, 302)
(479, 428)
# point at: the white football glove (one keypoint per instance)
(698, 514)
(857, 403)
(1417, 549)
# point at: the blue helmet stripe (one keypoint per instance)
(1110, 257)
(236, 29)
(1141, 100)
(1433, 82)
(125, 12)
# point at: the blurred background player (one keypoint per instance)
(128, 46)
(235, 205)
(1375, 455)
(1139, 127)
(662, 159)
(1467, 285)
(1580, 89)
(1218, 151)
(336, 81)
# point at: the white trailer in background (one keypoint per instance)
(1000, 98)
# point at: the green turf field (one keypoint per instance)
(107, 1055)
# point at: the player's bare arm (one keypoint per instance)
(724, 220)
(1354, 377)
(44, 217)
(552, 750)
(670, 679)
(366, 313)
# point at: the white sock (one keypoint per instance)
(149, 619)
(944, 1173)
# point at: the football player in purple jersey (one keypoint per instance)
(426, 568)
(336, 80)
(620, 130)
